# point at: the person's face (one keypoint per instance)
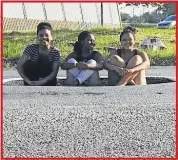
(89, 42)
(44, 37)
(127, 41)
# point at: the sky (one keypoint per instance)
(91, 11)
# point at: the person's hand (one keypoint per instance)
(119, 70)
(127, 72)
(81, 65)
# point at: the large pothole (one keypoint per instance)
(104, 81)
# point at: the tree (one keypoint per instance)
(165, 8)
(125, 17)
(153, 17)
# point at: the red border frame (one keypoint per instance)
(176, 83)
(70, 1)
(73, 1)
(1, 62)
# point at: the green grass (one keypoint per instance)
(13, 48)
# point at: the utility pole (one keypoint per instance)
(119, 15)
(24, 11)
(81, 12)
(44, 11)
(64, 15)
(101, 13)
(63, 12)
(25, 25)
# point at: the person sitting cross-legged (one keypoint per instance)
(84, 63)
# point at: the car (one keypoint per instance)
(169, 22)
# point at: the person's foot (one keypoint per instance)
(74, 82)
(121, 84)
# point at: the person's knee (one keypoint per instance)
(134, 61)
(138, 59)
(91, 61)
(116, 60)
(71, 60)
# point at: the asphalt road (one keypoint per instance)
(131, 121)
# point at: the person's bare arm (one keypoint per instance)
(112, 52)
(111, 67)
(65, 65)
(20, 67)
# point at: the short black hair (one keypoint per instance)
(128, 29)
(83, 35)
(43, 25)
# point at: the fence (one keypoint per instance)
(26, 16)
(19, 17)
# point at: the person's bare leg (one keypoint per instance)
(140, 79)
(117, 61)
(113, 76)
(134, 61)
